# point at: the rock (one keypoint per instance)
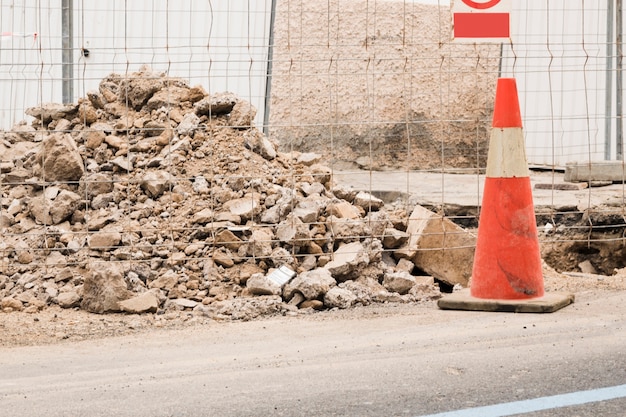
(387, 297)
(242, 115)
(311, 284)
(59, 159)
(183, 303)
(123, 163)
(166, 282)
(64, 206)
(138, 88)
(93, 185)
(86, 112)
(116, 142)
(54, 211)
(17, 176)
(155, 183)
(309, 158)
(223, 258)
(147, 302)
(378, 221)
(394, 238)
(293, 231)
(48, 112)
(201, 185)
(347, 230)
(405, 265)
(103, 290)
(339, 298)
(348, 260)
(343, 210)
(69, 299)
(104, 241)
(246, 207)
(204, 216)
(307, 211)
(312, 189)
(260, 284)
(368, 202)
(312, 304)
(169, 97)
(227, 239)
(260, 144)
(439, 247)
(260, 243)
(400, 282)
(11, 304)
(587, 267)
(216, 104)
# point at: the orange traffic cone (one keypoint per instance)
(507, 273)
(507, 262)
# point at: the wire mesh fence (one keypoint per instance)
(193, 148)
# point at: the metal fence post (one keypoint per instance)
(67, 33)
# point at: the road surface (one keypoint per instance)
(419, 362)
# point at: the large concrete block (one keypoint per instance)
(439, 247)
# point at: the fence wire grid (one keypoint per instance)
(216, 140)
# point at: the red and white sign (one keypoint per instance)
(481, 20)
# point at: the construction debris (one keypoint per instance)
(150, 195)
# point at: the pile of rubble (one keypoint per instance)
(150, 195)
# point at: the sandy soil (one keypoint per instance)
(380, 85)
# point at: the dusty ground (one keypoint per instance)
(55, 325)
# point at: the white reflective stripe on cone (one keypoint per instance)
(507, 154)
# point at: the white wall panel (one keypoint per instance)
(30, 70)
(558, 56)
(221, 45)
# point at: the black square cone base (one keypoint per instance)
(463, 300)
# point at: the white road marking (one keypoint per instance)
(539, 404)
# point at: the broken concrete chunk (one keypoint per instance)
(367, 201)
(439, 247)
(48, 112)
(311, 284)
(260, 243)
(68, 299)
(246, 207)
(147, 302)
(339, 298)
(104, 241)
(204, 216)
(188, 125)
(259, 143)
(344, 210)
(400, 282)
(242, 115)
(216, 104)
(155, 183)
(166, 282)
(347, 260)
(261, 284)
(59, 159)
(228, 239)
(103, 289)
(394, 238)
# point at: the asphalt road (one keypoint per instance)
(422, 362)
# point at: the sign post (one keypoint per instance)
(481, 20)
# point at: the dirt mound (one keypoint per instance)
(150, 195)
(380, 87)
